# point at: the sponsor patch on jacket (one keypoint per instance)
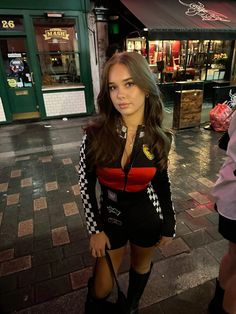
(147, 152)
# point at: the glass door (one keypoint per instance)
(19, 77)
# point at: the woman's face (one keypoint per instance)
(127, 98)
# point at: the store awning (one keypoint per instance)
(186, 19)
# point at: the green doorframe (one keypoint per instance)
(85, 66)
(4, 94)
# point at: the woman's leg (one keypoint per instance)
(103, 281)
(227, 279)
(141, 258)
(141, 264)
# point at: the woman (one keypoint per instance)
(224, 192)
(126, 149)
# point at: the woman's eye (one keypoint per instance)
(129, 84)
(111, 88)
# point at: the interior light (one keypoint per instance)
(54, 14)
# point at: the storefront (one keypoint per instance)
(44, 60)
(186, 41)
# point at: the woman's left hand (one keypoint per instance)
(164, 241)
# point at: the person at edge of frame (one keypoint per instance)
(126, 149)
(224, 300)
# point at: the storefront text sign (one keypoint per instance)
(206, 15)
(57, 33)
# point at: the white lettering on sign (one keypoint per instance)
(206, 15)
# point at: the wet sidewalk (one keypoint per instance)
(44, 257)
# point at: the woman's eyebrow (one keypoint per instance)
(125, 80)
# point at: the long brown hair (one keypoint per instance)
(105, 144)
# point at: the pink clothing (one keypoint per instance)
(224, 190)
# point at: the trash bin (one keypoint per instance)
(187, 108)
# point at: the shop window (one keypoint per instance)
(189, 59)
(58, 51)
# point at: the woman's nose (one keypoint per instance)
(120, 93)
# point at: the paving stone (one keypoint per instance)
(52, 288)
(25, 228)
(46, 159)
(197, 239)
(13, 199)
(26, 182)
(177, 274)
(42, 243)
(15, 265)
(199, 211)
(78, 247)
(76, 189)
(42, 229)
(194, 224)
(200, 198)
(67, 161)
(7, 284)
(24, 246)
(214, 233)
(23, 158)
(51, 186)
(177, 246)
(218, 249)
(70, 209)
(79, 279)
(206, 182)
(47, 256)
(181, 228)
(16, 300)
(40, 203)
(60, 236)
(67, 265)
(3, 187)
(33, 275)
(15, 173)
(6, 255)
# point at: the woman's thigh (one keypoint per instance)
(103, 281)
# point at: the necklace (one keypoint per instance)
(131, 141)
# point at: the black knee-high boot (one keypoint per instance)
(216, 304)
(137, 284)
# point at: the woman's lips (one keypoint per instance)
(123, 106)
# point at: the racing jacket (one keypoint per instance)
(140, 173)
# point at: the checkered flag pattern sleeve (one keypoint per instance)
(160, 191)
(87, 182)
(154, 199)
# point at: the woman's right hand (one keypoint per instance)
(98, 243)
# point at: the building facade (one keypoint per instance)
(45, 59)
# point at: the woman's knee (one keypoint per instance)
(141, 259)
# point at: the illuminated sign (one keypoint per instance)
(56, 33)
(206, 15)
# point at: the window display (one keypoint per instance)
(189, 59)
(58, 51)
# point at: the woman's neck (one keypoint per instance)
(132, 123)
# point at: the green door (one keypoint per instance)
(19, 78)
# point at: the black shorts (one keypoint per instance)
(133, 217)
(227, 228)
